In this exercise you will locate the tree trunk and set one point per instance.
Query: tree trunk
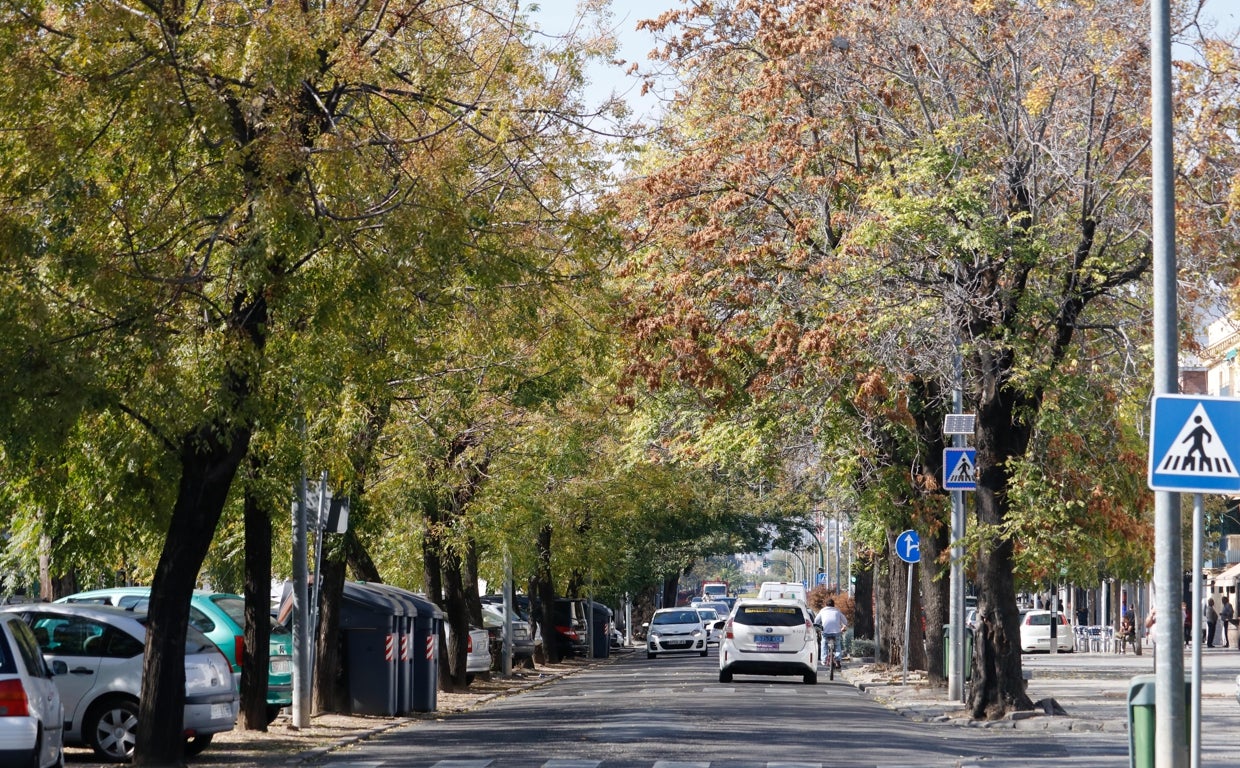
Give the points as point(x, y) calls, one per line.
point(998, 681)
point(671, 590)
point(330, 689)
point(209, 462)
point(892, 613)
point(863, 601)
point(253, 715)
point(543, 589)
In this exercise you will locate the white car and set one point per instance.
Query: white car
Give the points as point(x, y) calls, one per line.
point(1035, 632)
point(97, 654)
point(769, 637)
point(477, 651)
point(31, 717)
point(709, 616)
point(675, 630)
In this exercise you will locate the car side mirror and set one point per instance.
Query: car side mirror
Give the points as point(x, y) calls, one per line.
point(59, 668)
point(719, 624)
point(645, 625)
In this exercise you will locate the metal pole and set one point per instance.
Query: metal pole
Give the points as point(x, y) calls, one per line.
point(908, 619)
point(1196, 608)
point(1169, 748)
point(838, 583)
point(313, 648)
point(301, 658)
point(956, 601)
point(506, 662)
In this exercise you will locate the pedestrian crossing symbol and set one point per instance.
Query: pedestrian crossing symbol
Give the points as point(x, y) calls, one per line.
point(960, 469)
point(1192, 443)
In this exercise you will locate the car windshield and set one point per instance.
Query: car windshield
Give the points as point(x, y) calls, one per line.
point(707, 614)
point(1042, 619)
point(769, 615)
point(677, 617)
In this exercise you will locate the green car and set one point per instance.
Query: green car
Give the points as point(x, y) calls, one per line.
point(221, 617)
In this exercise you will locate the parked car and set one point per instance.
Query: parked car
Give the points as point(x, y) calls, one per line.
point(101, 650)
point(221, 617)
point(1035, 632)
point(572, 630)
point(477, 650)
point(522, 637)
point(32, 718)
point(675, 630)
point(769, 637)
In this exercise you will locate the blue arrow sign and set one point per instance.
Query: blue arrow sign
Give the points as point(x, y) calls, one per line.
point(908, 546)
point(960, 469)
point(1193, 440)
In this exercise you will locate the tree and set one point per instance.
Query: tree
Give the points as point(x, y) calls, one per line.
point(840, 185)
point(186, 173)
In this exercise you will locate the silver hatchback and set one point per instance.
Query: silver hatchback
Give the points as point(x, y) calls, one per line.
point(97, 655)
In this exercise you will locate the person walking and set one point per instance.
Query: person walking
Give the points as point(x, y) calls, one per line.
point(1225, 615)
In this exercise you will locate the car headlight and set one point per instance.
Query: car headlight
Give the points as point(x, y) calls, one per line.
point(654, 636)
point(697, 633)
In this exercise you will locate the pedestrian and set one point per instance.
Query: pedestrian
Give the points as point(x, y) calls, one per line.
point(1211, 618)
point(1188, 624)
point(1226, 614)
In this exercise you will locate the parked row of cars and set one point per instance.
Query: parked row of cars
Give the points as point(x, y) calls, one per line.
point(93, 655)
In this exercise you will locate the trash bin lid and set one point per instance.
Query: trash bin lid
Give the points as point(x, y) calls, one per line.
point(378, 601)
point(1141, 690)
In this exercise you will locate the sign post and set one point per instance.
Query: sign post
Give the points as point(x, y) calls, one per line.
point(959, 475)
point(908, 547)
point(1193, 440)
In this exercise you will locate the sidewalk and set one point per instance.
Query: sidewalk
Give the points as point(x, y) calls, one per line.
point(1076, 691)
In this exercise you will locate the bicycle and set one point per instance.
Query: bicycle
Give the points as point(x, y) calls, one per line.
point(833, 656)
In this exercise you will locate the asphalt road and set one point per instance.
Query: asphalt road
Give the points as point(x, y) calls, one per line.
point(671, 712)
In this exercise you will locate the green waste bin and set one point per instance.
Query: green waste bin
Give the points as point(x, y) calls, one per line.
point(1141, 720)
point(968, 651)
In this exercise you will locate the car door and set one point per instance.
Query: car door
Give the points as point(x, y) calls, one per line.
point(44, 696)
point(71, 640)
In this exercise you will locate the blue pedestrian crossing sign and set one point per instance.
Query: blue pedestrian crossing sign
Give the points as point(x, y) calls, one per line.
point(960, 469)
point(1193, 440)
point(908, 546)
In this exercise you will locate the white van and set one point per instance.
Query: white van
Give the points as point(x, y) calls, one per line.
point(783, 590)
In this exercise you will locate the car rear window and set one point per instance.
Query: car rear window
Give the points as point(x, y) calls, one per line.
point(769, 615)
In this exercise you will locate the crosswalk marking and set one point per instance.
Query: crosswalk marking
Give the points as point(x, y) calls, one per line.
point(463, 764)
point(681, 764)
point(793, 765)
point(572, 764)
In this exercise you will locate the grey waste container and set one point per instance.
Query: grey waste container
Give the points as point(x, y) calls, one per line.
point(600, 631)
point(405, 604)
point(426, 627)
point(968, 650)
point(370, 623)
point(1141, 720)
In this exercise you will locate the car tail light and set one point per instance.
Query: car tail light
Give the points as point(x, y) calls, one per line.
point(568, 632)
point(239, 648)
point(727, 630)
point(13, 699)
point(469, 644)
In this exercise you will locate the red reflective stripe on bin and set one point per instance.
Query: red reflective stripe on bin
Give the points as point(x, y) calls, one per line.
point(389, 648)
point(430, 647)
point(404, 647)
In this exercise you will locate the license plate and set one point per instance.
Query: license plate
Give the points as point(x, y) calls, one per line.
point(770, 639)
point(281, 667)
point(221, 711)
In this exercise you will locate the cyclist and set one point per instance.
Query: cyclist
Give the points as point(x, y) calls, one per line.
point(833, 624)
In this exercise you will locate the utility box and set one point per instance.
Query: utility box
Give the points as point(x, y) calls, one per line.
point(1141, 720)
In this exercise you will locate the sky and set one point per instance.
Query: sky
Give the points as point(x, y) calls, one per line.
point(634, 44)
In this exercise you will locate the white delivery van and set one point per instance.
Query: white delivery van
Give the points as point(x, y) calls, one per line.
point(783, 590)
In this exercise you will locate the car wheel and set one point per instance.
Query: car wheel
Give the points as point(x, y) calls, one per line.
point(273, 711)
point(111, 729)
point(725, 675)
point(703, 653)
point(810, 678)
point(651, 655)
point(194, 745)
